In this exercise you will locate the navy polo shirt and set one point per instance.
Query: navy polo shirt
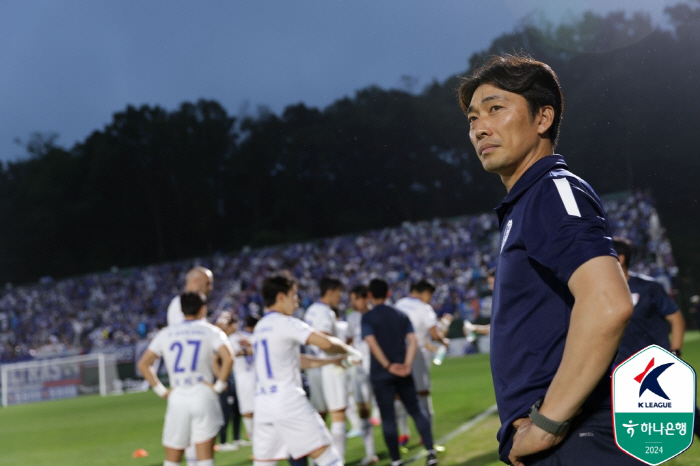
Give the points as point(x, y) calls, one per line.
point(551, 223)
point(390, 327)
point(648, 325)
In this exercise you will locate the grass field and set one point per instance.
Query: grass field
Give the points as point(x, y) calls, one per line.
point(95, 431)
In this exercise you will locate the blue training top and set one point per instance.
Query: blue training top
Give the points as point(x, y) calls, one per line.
point(648, 325)
point(551, 223)
point(390, 327)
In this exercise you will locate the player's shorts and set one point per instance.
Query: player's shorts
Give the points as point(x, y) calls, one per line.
point(421, 371)
point(193, 415)
point(295, 435)
point(361, 386)
point(329, 388)
point(245, 391)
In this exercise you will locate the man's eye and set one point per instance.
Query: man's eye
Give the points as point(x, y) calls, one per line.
point(496, 107)
point(471, 119)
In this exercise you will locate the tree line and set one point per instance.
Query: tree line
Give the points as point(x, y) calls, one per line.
point(157, 185)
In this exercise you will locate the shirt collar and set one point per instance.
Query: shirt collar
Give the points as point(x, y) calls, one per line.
point(529, 178)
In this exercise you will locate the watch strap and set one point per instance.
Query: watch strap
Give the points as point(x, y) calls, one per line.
point(546, 424)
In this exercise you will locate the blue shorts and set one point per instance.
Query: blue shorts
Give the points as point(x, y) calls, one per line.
point(590, 441)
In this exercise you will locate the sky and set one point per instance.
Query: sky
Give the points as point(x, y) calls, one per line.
point(67, 66)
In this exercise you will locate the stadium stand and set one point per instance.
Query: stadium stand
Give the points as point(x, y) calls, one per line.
point(111, 311)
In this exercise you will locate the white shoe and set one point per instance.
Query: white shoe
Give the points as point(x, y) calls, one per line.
point(228, 447)
point(242, 442)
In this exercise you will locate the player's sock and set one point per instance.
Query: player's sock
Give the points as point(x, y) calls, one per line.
point(264, 463)
point(368, 437)
point(338, 434)
point(353, 416)
point(209, 462)
point(248, 423)
point(401, 418)
point(170, 463)
point(330, 457)
point(191, 455)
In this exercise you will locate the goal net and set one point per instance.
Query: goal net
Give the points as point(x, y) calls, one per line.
point(55, 378)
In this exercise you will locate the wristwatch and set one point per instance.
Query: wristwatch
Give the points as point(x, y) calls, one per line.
point(544, 423)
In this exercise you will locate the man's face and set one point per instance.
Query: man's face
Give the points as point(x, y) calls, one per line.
point(206, 283)
point(501, 129)
point(290, 301)
point(334, 297)
point(358, 302)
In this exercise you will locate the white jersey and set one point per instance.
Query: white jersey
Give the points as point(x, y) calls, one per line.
point(278, 389)
point(244, 363)
point(321, 317)
point(175, 314)
point(354, 320)
point(422, 317)
point(187, 349)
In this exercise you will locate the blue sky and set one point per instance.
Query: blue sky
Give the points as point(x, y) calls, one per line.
point(67, 66)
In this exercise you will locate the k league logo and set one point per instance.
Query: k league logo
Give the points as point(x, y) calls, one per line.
point(653, 395)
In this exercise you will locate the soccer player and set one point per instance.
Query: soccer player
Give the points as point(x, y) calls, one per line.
point(561, 302)
point(198, 280)
point(362, 388)
point(244, 372)
point(392, 343)
point(328, 384)
point(193, 414)
point(228, 322)
point(425, 325)
point(285, 423)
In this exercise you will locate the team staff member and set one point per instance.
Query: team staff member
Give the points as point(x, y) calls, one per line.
point(193, 414)
point(654, 311)
point(560, 302)
point(392, 343)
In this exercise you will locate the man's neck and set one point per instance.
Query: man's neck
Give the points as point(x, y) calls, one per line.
point(541, 151)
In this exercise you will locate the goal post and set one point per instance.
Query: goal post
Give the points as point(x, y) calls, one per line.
point(56, 378)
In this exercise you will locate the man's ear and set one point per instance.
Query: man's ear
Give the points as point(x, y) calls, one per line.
point(544, 119)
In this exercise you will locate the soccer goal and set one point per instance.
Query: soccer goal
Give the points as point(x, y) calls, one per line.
point(55, 378)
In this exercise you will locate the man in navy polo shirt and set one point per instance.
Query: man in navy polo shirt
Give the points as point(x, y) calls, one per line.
point(560, 302)
point(654, 311)
point(392, 343)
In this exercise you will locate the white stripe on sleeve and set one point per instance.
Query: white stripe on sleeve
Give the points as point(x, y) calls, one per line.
point(567, 196)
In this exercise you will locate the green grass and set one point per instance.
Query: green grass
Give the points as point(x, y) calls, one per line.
point(95, 431)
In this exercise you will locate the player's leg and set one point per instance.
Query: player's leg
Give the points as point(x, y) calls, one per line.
point(176, 428)
point(305, 434)
point(173, 457)
point(205, 452)
point(335, 393)
point(362, 392)
point(401, 422)
point(245, 397)
point(206, 423)
point(407, 392)
point(385, 393)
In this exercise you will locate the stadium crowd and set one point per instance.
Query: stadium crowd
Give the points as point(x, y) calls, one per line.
point(119, 307)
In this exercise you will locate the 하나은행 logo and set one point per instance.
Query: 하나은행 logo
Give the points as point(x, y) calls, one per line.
point(653, 394)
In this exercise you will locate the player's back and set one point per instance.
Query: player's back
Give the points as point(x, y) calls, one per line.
point(277, 339)
point(321, 317)
point(187, 349)
point(422, 317)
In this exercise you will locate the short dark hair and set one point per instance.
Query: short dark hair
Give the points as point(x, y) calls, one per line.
point(251, 321)
point(359, 290)
point(329, 284)
point(280, 282)
point(519, 74)
point(624, 247)
point(191, 302)
point(378, 288)
point(423, 285)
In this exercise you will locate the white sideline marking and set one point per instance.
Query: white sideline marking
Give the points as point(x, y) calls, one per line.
point(459, 430)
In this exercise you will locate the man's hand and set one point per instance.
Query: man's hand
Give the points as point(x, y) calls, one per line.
point(530, 439)
point(400, 370)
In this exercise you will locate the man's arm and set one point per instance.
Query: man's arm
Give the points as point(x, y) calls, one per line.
point(602, 308)
point(677, 330)
point(402, 370)
point(438, 335)
point(312, 362)
point(331, 344)
point(145, 365)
